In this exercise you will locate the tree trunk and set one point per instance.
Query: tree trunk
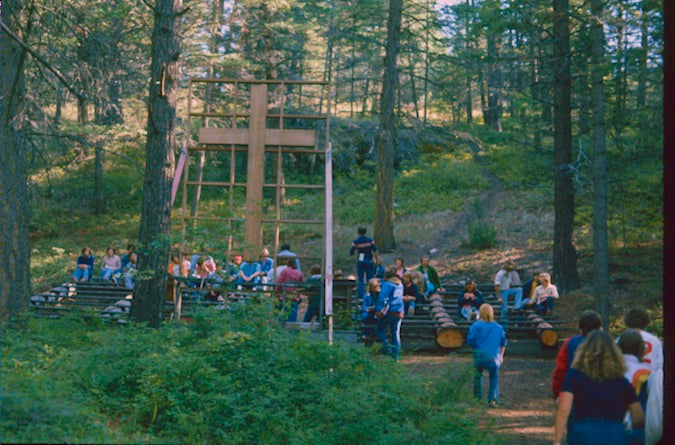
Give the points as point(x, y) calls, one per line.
point(159, 168)
point(600, 245)
point(642, 57)
point(564, 253)
point(384, 212)
point(15, 206)
point(493, 115)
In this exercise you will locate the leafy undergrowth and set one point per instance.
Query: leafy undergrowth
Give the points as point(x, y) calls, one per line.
point(231, 377)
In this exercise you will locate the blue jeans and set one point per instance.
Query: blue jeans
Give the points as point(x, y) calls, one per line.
point(106, 273)
point(517, 293)
point(364, 272)
point(597, 432)
point(540, 308)
point(394, 324)
point(81, 274)
point(493, 370)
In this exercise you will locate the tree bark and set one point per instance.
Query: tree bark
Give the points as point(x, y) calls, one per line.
point(384, 212)
point(564, 253)
point(159, 168)
point(14, 200)
point(600, 244)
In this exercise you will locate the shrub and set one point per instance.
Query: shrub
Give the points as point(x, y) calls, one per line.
point(482, 236)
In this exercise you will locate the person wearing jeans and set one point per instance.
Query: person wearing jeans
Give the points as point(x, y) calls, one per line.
point(389, 313)
point(365, 267)
point(504, 279)
point(488, 340)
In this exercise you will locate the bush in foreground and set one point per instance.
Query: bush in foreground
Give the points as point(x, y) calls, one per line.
point(229, 377)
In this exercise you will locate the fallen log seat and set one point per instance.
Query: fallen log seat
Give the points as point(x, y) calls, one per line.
point(448, 335)
point(547, 335)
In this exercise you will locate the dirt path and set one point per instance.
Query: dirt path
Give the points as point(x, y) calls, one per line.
point(527, 412)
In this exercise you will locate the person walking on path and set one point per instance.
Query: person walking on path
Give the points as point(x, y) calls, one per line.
point(366, 253)
point(488, 340)
point(505, 278)
point(389, 313)
point(597, 395)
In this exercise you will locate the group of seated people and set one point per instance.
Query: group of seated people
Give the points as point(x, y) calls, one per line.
point(537, 294)
point(114, 268)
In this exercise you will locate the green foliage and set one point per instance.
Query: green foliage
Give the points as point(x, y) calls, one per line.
point(482, 235)
point(230, 377)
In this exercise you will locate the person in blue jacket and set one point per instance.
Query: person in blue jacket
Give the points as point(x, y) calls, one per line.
point(85, 266)
point(368, 308)
point(365, 266)
point(488, 340)
point(389, 313)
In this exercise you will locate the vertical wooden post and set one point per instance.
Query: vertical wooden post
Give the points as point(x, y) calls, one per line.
point(255, 171)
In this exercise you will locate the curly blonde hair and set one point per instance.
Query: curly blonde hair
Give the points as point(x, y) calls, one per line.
point(599, 357)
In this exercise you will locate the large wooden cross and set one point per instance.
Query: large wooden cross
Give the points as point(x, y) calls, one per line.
point(257, 136)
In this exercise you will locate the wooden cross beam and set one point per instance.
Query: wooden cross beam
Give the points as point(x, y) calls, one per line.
point(257, 136)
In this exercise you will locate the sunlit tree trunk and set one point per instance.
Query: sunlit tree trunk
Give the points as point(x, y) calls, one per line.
point(159, 168)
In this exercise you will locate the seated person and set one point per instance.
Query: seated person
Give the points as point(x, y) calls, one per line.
point(530, 286)
point(84, 266)
point(411, 293)
point(544, 294)
point(125, 258)
point(432, 282)
point(400, 267)
point(250, 272)
point(110, 264)
point(379, 268)
point(469, 301)
point(205, 266)
point(234, 267)
point(266, 266)
point(176, 267)
point(130, 272)
point(368, 308)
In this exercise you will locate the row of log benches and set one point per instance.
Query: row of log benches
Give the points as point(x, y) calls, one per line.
point(438, 320)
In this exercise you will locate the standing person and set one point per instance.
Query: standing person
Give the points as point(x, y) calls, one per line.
point(654, 412)
point(389, 313)
point(365, 268)
point(596, 395)
point(286, 253)
point(291, 274)
point(314, 300)
point(638, 319)
point(637, 373)
point(505, 278)
point(544, 294)
point(488, 340)
point(588, 322)
point(469, 301)
point(110, 264)
point(433, 283)
point(84, 267)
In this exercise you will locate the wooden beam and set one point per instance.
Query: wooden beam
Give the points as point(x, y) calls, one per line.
point(255, 171)
point(240, 136)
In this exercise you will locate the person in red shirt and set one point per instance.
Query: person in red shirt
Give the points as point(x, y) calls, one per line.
point(291, 275)
point(588, 322)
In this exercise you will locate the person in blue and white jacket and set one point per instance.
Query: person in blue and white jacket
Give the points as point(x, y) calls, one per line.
point(488, 340)
point(389, 312)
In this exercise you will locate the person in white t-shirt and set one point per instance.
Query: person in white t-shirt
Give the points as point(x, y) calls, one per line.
point(638, 319)
point(504, 279)
point(544, 294)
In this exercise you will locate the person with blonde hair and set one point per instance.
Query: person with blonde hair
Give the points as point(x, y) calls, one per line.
point(597, 394)
point(543, 296)
point(488, 340)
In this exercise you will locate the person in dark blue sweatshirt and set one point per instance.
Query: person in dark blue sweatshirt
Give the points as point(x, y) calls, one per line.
point(389, 313)
point(488, 340)
point(365, 267)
